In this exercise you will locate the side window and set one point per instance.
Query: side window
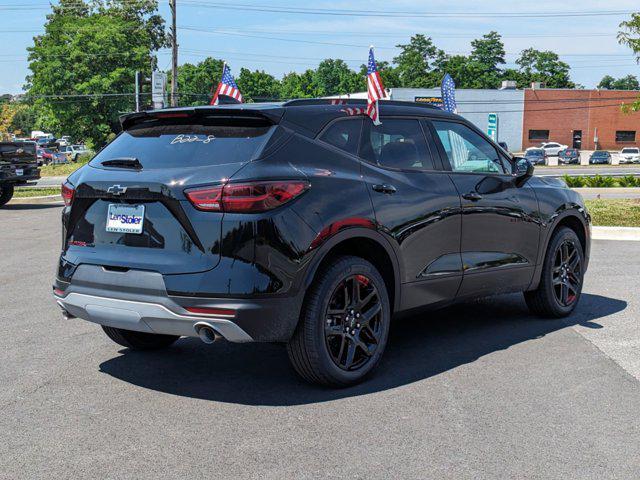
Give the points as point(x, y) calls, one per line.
point(396, 143)
point(467, 151)
point(344, 134)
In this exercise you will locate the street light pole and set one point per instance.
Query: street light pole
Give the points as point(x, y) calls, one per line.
point(174, 55)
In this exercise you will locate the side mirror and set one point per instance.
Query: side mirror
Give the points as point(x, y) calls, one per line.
point(523, 171)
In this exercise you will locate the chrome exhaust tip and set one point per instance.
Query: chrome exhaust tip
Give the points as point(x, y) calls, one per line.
point(206, 332)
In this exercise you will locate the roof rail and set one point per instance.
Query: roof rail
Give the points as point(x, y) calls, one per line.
point(351, 101)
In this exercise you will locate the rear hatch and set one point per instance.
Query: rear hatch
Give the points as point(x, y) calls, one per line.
point(17, 160)
point(129, 209)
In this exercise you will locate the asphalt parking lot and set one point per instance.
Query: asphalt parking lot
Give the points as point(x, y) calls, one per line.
point(481, 390)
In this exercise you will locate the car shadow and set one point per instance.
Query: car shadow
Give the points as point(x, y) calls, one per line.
point(419, 347)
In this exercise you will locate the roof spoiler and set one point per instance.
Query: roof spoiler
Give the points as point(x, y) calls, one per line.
point(272, 115)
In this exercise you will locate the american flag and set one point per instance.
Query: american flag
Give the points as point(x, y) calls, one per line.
point(354, 111)
point(227, 86)
point(375, 89)
point(448, 89)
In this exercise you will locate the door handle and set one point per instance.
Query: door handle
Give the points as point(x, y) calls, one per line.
point(384, 188)
point(473, 196)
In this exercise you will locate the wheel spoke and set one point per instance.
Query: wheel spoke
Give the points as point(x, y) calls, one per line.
point(351, 353)
point(363, 303)
point(355, 292)
point(564, 293)
point(370, 314)
point(368, 351)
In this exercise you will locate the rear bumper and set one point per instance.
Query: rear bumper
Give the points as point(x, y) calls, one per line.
point(146, 317)
point(138, 300)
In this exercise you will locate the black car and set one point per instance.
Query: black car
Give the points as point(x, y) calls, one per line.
point(18, 165)
point(600, 157)
point(569, 155)
point(305, 224)
point(536, 156)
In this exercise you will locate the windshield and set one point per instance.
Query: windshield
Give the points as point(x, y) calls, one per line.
point(630, 150)
point(534, 153)
point(168, 146)
point(600, 154)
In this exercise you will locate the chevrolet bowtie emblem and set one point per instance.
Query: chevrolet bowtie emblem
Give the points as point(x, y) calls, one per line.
point(116, 190)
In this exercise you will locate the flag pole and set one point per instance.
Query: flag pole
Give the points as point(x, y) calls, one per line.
point(214, 99)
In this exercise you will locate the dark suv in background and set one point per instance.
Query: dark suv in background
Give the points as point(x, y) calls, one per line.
point(305, 224)
point(18, 165)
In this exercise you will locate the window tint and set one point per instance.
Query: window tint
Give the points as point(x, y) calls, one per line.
point(344, 134)
point(467, 151)
point(397, 143)
point(169, 146)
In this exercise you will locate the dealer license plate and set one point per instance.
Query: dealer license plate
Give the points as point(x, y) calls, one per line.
point(125, 218)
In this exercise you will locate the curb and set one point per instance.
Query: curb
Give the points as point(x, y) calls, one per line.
point(50, 199)
point(616, 233)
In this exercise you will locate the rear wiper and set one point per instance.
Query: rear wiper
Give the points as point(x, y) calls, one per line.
point(123, 162)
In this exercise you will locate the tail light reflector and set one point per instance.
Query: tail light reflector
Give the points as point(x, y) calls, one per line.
point(67, 191)
point(227, 312)
point(246, 197)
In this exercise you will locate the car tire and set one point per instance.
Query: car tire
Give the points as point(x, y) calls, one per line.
point(341, 349)
point(139, 340)
point(6, 194)
point(561, 279)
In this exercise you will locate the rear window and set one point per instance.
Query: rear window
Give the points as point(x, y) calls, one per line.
point(630, 150)
point(169, 146)
point(17, 149)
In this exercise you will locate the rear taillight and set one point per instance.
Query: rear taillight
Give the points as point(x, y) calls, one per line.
point(246, 197)
point(67, 191)
point(227, 312)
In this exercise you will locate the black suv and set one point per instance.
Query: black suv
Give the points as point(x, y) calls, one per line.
point(305, 224)
point(18, 165)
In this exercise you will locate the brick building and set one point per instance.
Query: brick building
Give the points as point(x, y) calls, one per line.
point(579, 118)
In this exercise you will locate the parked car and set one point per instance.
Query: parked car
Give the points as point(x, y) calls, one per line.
point(64, 141)
point(49, 156)
point(600, 157)
point(73, 152)
point(302, 224)
point(569, 155)
point(536, 156)
point(629, 155)
point(553, 148)
point(18, 165)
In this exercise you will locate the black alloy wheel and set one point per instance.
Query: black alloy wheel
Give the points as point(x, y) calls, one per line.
point(561, 278)
point(567, 273)
point(344, 324)
point(353, 322)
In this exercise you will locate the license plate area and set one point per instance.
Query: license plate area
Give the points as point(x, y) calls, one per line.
point(19, 172)
point(123, 218)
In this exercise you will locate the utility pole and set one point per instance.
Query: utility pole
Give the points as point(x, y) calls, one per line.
point(174, 55)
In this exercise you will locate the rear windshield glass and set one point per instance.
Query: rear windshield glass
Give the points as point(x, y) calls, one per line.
point(17, 149)
point(168, 146)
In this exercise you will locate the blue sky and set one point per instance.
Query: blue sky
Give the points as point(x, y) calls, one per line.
point(280, 42)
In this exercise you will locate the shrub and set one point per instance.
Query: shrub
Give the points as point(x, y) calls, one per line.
point(629, 181)
point(600, 181)
point(574, 182)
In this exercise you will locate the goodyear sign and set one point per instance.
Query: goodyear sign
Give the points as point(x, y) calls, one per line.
point(435, 101)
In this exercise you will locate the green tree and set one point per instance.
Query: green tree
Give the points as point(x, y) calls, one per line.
point(543, 66)
point(414, 63)
point(198, 82)
point(486, 61)
point(298, 85)
point(630, 82)
point(24, 121)
point(83, 66)
point(258, 86)
point(334, 77)
point(607, 82)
